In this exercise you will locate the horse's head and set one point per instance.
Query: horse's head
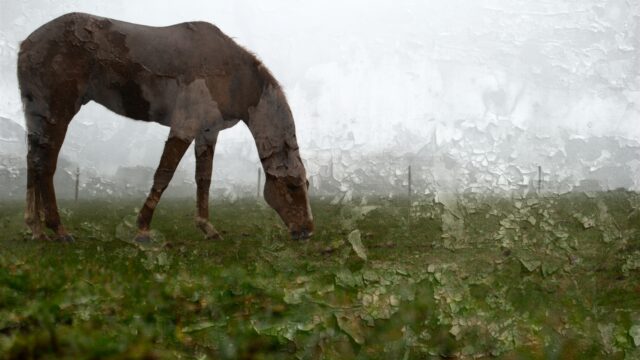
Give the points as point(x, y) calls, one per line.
point(286, 187)
point(289, 197)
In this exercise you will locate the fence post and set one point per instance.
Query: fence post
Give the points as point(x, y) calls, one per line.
point(77, 182)
point(409, 193)
point(539, 178)
point(409, 184)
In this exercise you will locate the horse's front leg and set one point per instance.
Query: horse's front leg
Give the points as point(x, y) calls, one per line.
point(174, 149)
point(205, 148)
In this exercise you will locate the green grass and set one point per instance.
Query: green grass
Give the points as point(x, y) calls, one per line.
point(535, 278)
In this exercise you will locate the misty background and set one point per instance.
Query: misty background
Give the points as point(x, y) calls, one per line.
point(476, 96)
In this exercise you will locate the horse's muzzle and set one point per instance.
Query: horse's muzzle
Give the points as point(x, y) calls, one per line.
point(301, 235)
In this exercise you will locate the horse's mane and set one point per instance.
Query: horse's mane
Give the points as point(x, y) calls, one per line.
point(265, 74)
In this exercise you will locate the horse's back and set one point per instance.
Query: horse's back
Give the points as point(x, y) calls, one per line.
point(135, 70)
point(174, 50)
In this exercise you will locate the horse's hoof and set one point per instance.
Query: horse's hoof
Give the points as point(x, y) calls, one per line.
point(143, 239)
point(66, 238)
point(41, 237)
point(207, 228)
point(213, 236)
point(301, 235)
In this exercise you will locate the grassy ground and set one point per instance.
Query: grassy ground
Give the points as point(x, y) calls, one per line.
point(535, 278)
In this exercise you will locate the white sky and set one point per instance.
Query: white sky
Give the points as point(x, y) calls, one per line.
point(368, 70)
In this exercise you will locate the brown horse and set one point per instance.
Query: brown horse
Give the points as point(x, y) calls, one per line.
point(190, 77)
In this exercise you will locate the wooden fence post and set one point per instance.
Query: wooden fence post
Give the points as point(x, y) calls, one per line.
point(410, 194)
point(539, 178)
point(77, 182)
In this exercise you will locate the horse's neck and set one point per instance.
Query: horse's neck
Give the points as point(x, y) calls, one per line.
point(273, 130)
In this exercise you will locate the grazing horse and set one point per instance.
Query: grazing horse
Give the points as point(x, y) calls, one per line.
point(190, 77)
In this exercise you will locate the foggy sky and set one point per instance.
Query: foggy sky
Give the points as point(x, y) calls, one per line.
point(363, 74)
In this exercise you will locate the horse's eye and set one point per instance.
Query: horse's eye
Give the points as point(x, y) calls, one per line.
point(292, 187)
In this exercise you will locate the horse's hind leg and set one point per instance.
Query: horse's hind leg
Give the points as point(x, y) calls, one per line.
point(204, 149)
point(45, 138)
point(174, 149)
point(33, 211)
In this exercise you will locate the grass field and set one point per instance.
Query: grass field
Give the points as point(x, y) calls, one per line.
point(556, 277)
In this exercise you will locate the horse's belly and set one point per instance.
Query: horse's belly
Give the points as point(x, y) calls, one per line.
point(137, 95)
